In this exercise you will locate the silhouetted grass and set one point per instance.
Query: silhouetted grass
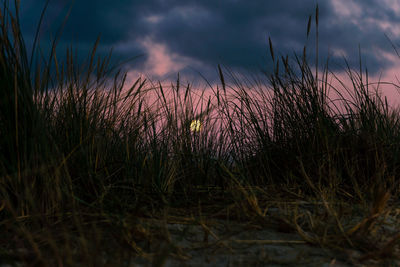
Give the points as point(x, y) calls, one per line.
point(81, 161)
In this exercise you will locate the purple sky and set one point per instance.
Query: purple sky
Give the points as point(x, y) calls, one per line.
point(194, 36)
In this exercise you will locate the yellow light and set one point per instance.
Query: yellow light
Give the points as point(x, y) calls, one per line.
point(195, 126)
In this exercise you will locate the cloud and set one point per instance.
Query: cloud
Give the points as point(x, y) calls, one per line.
point(160, 62)
point(230, 32)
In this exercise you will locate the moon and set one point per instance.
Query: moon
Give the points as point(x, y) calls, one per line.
point(195, 126)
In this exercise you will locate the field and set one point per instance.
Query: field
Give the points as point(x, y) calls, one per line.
point(94, 175)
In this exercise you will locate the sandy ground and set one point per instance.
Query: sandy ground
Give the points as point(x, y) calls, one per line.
point(218, 243)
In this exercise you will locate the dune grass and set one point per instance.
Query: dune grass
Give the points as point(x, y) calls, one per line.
point(81, 161)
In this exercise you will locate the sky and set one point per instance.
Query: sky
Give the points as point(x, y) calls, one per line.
point(192, 37)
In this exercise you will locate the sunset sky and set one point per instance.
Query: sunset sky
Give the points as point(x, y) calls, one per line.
point(194, 36)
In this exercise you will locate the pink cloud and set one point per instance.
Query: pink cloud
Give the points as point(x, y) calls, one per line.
point(386, 82)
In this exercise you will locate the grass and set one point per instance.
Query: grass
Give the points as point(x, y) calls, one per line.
point(82, 161)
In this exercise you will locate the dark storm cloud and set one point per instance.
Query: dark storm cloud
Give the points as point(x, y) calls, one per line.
point(87, 21)
point(231, 32)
